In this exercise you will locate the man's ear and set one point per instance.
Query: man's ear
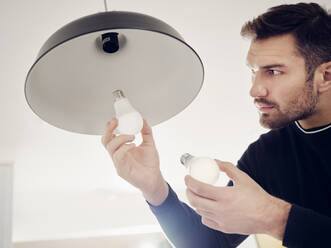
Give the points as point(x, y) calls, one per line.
point(324, 83)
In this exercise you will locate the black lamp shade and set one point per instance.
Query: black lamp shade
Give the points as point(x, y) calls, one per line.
point(70, 84)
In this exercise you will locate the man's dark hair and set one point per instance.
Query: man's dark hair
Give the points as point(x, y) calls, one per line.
point(310, 25)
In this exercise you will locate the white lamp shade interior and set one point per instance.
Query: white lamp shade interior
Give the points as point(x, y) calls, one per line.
point(158, 73)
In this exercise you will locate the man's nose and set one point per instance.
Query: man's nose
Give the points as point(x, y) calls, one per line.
point(257, 89)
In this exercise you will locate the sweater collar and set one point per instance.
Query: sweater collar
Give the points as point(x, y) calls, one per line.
point(313, 130)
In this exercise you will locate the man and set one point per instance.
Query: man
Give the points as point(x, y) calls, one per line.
point(282, 184)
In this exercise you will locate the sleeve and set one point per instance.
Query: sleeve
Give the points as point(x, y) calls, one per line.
point(306, 228)
point(184, 229)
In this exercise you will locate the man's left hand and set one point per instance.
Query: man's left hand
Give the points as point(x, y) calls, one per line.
point(244, 208)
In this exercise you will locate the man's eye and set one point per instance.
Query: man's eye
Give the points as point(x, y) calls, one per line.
point(273, 72)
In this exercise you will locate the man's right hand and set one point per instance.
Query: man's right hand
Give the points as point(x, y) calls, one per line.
point(138, 165)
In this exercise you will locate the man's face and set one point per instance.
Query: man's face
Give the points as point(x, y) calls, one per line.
point(279, 87)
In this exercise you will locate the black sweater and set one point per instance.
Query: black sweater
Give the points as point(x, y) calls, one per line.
point(289, 163)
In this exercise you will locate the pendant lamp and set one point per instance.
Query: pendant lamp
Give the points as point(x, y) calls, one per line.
point(71, 82)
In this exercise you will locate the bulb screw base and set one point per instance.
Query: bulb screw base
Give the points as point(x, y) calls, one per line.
point(185, 157)
point(117, 95)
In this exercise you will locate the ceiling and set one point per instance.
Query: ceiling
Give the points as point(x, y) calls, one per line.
point(65, 184)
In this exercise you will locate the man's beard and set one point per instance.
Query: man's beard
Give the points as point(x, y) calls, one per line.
point(300, 106)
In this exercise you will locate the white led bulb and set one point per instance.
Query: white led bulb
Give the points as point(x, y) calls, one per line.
point(130, 120)
point(203, 169)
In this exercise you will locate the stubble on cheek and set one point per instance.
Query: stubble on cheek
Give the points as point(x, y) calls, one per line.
point(300, 106)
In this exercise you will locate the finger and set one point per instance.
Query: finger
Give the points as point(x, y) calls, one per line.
point(118, 141)
point(103, 139)
point(147, 134)
point(108, 135)
point(230, 170)
point(121, 153)
point(205, 190)
point(199, 202)
point(209, 223)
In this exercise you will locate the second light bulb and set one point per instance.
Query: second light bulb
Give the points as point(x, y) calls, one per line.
point(203, 169)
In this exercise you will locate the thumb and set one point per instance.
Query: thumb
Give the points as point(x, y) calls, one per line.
point(230, 170)
point(147, 134)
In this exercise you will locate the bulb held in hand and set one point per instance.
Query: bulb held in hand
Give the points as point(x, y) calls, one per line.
point(130, 120)
point(203, 169)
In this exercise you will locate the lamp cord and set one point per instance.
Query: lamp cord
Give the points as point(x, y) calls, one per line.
point(105, 3)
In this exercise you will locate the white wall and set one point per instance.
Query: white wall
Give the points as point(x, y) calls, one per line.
point(6, 191)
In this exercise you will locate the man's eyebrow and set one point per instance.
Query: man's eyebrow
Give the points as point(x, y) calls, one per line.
point(272, 66)
point(266, 67)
